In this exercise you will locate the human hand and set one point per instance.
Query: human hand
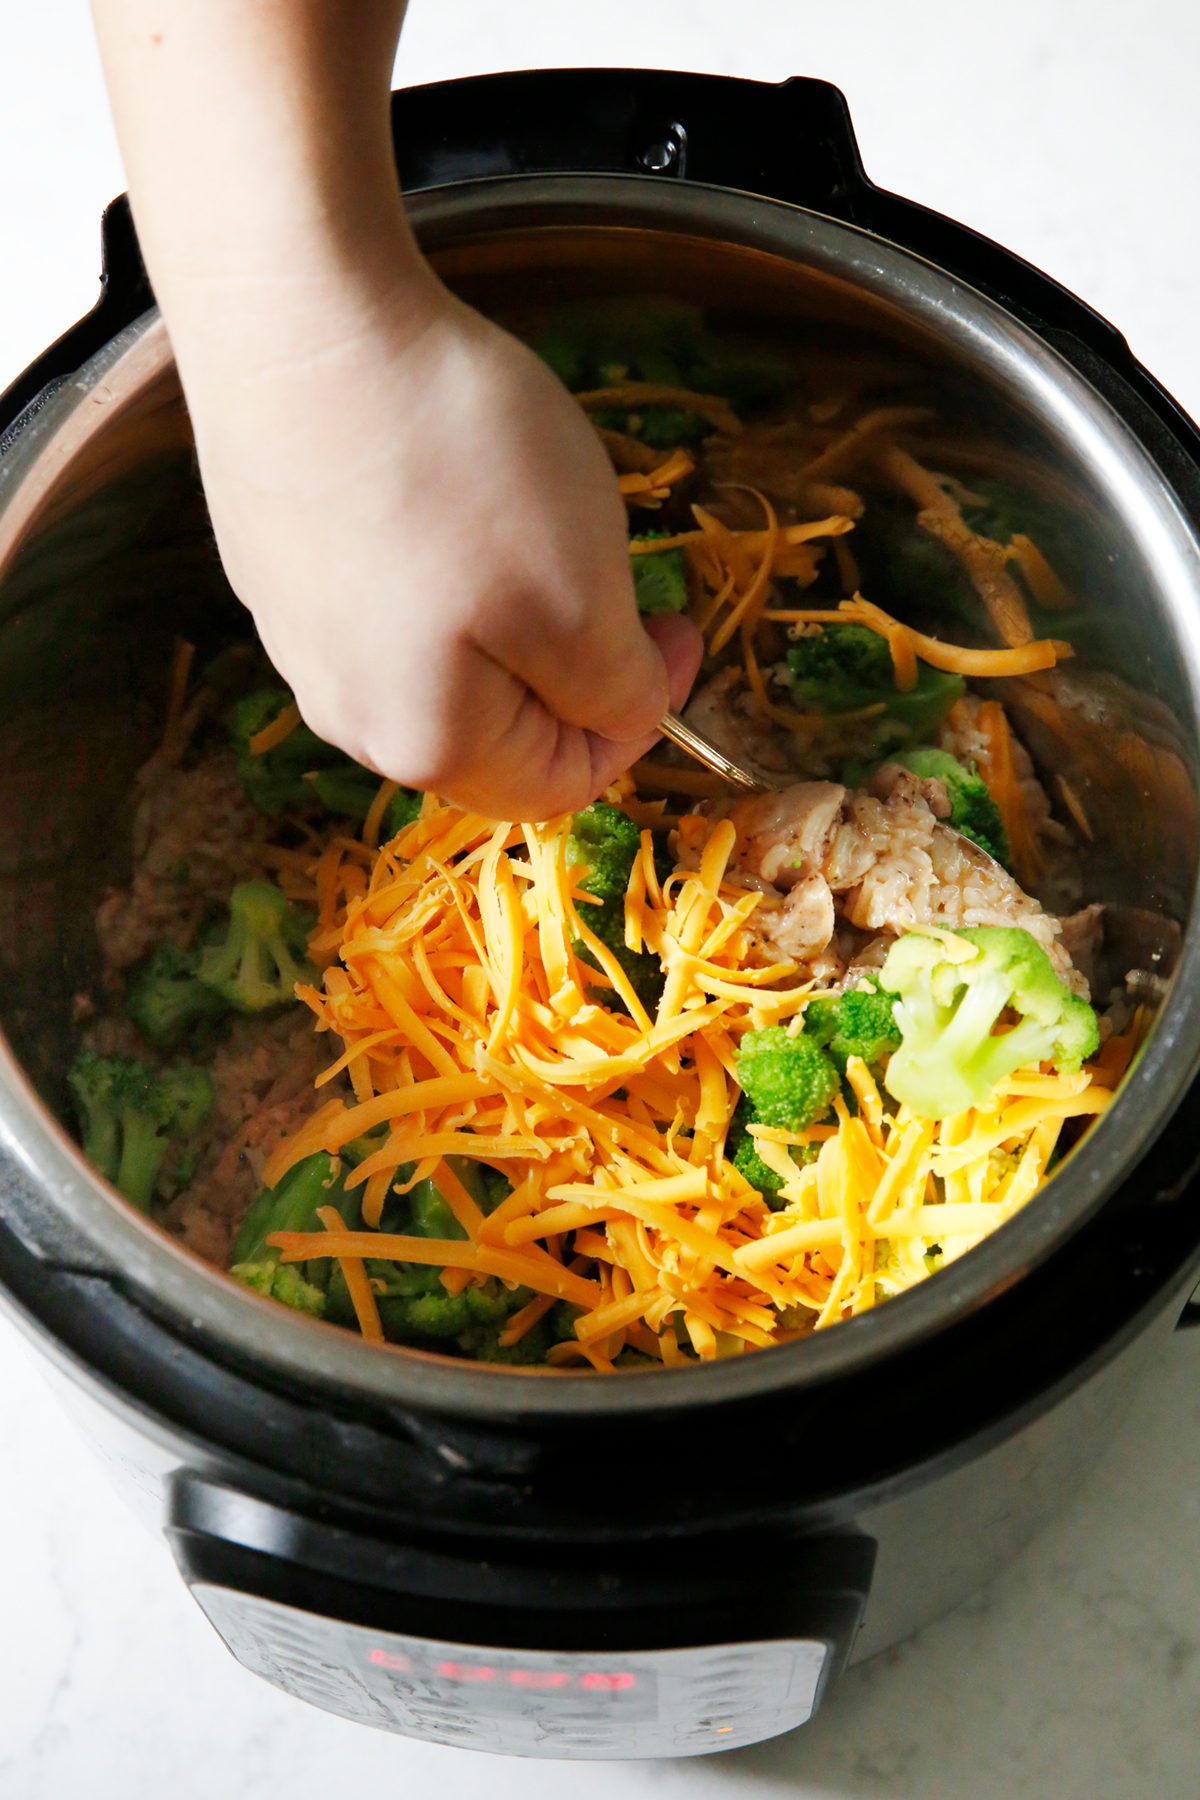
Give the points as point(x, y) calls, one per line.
point(421, 520)
point(430, 537)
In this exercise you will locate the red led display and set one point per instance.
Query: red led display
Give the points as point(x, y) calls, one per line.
point(596, 1681)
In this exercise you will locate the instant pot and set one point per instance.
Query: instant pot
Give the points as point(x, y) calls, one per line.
point(670, 1562)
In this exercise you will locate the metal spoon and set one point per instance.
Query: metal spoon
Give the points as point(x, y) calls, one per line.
point(699, 747)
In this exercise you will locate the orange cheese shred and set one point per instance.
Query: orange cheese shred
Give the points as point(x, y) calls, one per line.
point(281, 727)
point(365, 1309)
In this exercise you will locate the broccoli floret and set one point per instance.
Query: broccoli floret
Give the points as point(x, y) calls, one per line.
point(131, 1118)
point(607, 840)
point(346, 791)
point(494, 1186)
point(973, 812)
point(483, 1345)
point(789, 1081)
point(283, 1282)
point(472, 1317)
point(658, 427)
point(94, 1085)
point(662, 427)
point(844, 668)
point(659, 580)
point(292, 1206)
point(349, 793)
point(402, 810)
point(861, 1022)
point(836, 666)
point(414, 1307)
point(743, 377)
point(948, 1059)
point(167, 1000)
point(741, 1150)
point(276, 779)
point(411, 1315)
point(995, 511)
point(749, 1163)
point(304, 768)
point(262, 958)
point(590, 346)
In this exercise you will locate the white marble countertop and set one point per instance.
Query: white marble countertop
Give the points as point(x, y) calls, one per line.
point(1068, 131)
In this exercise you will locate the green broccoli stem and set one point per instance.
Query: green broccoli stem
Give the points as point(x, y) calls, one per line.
point(292, 1206)
point(967, 1039)
point(260, 962)
point(972, 1019)
point(1028, 1042)
point(142, 1153)
point(101, 1140)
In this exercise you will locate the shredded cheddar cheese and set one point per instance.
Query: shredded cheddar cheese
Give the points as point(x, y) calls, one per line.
point(633, 394)
point(651, 488)
point(956, 659)
point(281, 727)
point(453, 979)
point(734, 569)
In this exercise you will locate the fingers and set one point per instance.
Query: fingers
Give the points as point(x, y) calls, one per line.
point(518, 760)
point(681, 647)
point(571, 632)
point(580, 647)
point(473, 732)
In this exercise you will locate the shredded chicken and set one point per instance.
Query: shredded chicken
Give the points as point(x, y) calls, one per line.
point(785, 837)
point(881, 862)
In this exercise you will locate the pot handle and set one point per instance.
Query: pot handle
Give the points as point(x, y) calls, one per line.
point(125, 294)
point(791, 140)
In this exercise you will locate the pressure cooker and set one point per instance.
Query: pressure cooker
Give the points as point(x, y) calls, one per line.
point(571, 1565)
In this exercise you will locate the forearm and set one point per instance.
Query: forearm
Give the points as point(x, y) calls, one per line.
point(257, 142)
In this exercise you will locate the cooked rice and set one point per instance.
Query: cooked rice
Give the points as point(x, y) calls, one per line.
point(195, 834)
point(263, 1075)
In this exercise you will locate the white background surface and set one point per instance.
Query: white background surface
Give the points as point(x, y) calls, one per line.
point(1069, 131)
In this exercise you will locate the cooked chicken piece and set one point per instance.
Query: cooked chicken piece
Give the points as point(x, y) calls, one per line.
point(785, 837)
point(804, 923)
point(891, 779)
point(889, 865)
point(723, 712)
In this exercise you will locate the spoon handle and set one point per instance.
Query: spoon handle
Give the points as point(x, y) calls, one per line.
point(674, 728)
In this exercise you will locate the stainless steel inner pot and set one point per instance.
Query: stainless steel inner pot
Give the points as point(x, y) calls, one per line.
point(105, 553)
